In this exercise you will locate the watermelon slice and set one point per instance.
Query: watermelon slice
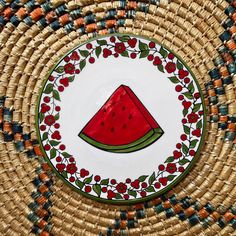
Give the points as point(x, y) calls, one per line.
point(122, 124)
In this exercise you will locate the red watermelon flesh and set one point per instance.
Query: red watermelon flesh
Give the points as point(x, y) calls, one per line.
point(121, 123)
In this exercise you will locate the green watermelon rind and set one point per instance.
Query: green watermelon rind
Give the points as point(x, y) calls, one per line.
point(144, 141)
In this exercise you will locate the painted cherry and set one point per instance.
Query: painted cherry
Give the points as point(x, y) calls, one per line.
point(64, 82)
point(197, 132)
point(132, 42)
point(163, 181)
point(186, 104)
point(183, 73)
point(56, 135)
point(135, 184)
point(83, 173)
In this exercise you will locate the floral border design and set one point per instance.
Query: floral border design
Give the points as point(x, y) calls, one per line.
point(131, 47)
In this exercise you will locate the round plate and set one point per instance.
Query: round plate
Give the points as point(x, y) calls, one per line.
point(121, 119)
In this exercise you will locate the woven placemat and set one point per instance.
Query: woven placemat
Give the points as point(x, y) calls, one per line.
point(35, 35)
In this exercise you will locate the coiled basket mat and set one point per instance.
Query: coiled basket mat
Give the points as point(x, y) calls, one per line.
point(35, 35)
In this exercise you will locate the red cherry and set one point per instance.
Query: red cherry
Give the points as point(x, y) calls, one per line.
point(66, 59)
point(186, 80)
point(51, 78)
point(197, 132)
point(144, 185)
point(126, 197)
point(132, 42)
point(143, 194)
point(57, 108)
point(186, 104)
point(47, 147)
point(177, 154)
point(97, 178)
point(116, 55)
point(62, 147)
point(192, 153)
point(113, 181)
point(157, 185)
point(91, 60)
point(46, 99)
point(45, 108)
point(171, 56)
point(163, 181)
point(60, 88)
point(152, 45)
point(179, 145)
point(89, 46)
point(150, 57)
point(178, 88)
point(57, 126)
point(133, 55)
point(110, 194)
point(77, 71)
point(60, 167)
point(161, 167)
point(42, 127)
point(58, 159)
point(83, 173)
point(87, 189)
point(181, 169)
point(183, 137)
point(72, 179)
point(104, 189)
point(128, 181)
point(56, 135)
point(183, 73)
point(135, 184)
point(157, 61)
point(71, 159)
point(112, 39)
point(181, 97)
point(197, 95)
point(107, 52)
point(64, 82)
point(184, 121)
point(75, 56)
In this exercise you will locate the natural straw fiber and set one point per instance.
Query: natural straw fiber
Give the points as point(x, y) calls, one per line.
point(35, 35)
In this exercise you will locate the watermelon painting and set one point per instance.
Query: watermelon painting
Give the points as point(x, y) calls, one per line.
point(122, 124)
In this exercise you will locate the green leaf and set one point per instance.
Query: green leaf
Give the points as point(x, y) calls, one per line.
point(82, 64)
point(197, 107)
point(101, 42)
point(193, 143)
point(174, 79)
point(171, 177)
point(191, 87)
point(186, 129)
point(170, 159)
point(132, 193)
point(143, 46)
point(64, 174)
point(118, 196)
point(150, 189)
point(98, 51)
point(183, 161)
point(104, 182)
point(97, 189)
point(152, 178)
point(185, 148)
point(56, 95)
point(53, 153)
point(185, 112)
point(84, 53)
point(54, 143)
point(88, 180)
point(79, 183)
point(60, 69)
point(41, 117)
point(142, 178)
point(45, 136)
point(179, 65)
point(124, 38)
point(144, 54)
point(160, 68)
point(48, 89)
point(163, 52)
point(66, 155)
point(57, 116)
point(188, 95)
point(71, 78)
point(125, 54)
point(199, 124)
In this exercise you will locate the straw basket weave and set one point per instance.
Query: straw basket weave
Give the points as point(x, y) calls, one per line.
point(34, 35)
